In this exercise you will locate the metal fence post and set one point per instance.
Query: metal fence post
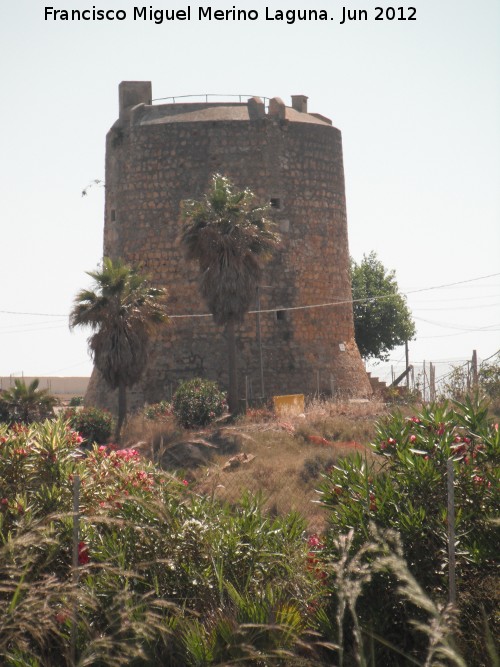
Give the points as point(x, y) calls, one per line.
point(452, 588)
point(75, 573)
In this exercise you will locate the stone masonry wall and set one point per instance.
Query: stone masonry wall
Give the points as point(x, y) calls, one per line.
point(157, 156)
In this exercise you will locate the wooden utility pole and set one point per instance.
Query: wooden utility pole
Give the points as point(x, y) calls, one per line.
point(407, 359)
point(432, 382)
point(474, 370)
point(423, 383)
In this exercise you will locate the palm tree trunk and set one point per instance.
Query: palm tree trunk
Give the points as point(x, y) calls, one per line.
point(232, 394)
point(122, 410)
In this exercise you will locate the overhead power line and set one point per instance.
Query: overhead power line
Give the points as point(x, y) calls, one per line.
point(459, 308)
point(17, 312)
point(289, 308)
point(460, 282)
point(459, 333)
point(456, 326)
point(18, 331)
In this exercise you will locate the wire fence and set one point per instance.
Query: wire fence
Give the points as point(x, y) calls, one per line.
point(432, 380)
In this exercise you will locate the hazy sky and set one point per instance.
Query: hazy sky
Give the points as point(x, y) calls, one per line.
point(418, 104)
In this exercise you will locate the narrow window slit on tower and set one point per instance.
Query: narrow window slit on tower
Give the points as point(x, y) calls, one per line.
point(113, 215)
point(281, 315)
point(275, 202)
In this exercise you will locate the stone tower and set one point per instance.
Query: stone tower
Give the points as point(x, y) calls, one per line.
point(158, 155)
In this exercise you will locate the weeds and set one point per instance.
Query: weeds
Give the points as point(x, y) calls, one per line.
point(189, 571)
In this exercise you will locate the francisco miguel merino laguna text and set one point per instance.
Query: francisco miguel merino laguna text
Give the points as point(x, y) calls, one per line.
point(158, 16)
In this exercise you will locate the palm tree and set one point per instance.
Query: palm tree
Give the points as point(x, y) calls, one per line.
point(229, 236)
point(122, 310)
point(26, 403)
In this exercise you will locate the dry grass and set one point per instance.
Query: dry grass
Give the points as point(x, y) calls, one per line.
point(290, 453)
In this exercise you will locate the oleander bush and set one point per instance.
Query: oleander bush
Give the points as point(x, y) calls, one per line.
point(198, 402)
point(406, 491)
point(158, 412)
point(163, 577)
point(75, 401)
point(159, 575)
point(93, 424)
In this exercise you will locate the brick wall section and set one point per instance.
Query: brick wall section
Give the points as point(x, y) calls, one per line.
point(156, 156)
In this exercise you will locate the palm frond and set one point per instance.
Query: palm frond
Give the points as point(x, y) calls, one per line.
point(122, 310)
point(230, 237)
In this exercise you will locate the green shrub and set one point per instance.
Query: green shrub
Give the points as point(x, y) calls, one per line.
point(198, 402)
point(406, 490)
point(38, 465)
point(159, 566)
point(35, 463)
point(93, 424)
point(158, 411)
point(168, 577)
point(76, 401)
point(315, 466)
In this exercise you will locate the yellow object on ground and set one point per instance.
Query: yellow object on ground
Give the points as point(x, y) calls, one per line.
point(291, 404)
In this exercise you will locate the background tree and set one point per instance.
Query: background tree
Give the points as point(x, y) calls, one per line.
point(382, 319)
point(25, 403)
point(230, 237)
point(122, 309)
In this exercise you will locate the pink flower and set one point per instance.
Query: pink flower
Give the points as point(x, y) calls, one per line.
point(480, 480)
point(83, 554)
point(185, 482)
point(413, 438)
point(21, 452)
point(314, 542)
point(61, 617)
point(127, 454)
